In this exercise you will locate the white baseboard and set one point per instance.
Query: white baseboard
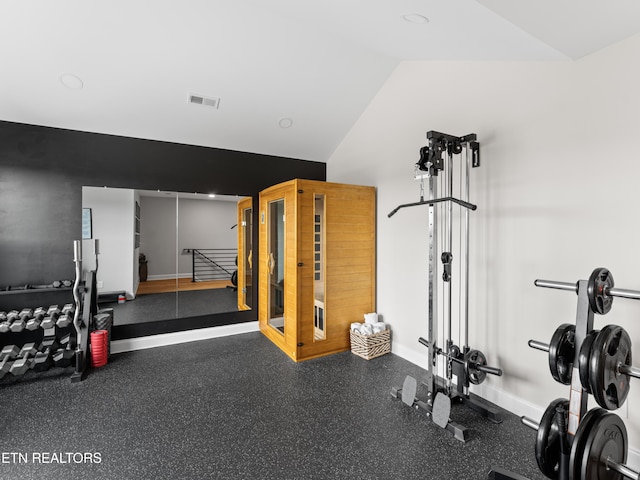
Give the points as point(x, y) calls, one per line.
point(152, 341)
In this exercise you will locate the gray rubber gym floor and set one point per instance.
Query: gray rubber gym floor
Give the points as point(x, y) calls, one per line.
point(238, 408)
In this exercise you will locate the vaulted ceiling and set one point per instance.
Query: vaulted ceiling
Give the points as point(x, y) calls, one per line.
point(279, 77)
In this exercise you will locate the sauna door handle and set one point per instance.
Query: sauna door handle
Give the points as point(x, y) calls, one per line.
point(271, 263)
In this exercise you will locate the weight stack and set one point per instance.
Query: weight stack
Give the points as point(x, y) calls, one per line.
point(104, 321)
point(98, 348)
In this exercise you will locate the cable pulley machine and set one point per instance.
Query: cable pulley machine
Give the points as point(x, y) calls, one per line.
point(469, 366)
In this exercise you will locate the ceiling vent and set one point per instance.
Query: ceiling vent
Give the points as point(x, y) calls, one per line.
point(206, 101)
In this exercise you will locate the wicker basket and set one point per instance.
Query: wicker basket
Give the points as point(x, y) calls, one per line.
point(370, 346)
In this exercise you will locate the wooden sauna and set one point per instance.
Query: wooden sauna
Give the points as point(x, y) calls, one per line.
point(317, 264)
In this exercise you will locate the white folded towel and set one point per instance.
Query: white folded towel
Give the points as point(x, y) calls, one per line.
point(370, 318)
point(366, 329)
point(379, 327)
point(355, 326)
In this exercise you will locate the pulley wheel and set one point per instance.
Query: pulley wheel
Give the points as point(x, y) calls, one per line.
point(597, 290)
point(603, 436)
point(611, 348)
point(548, 440)
point(584, 357)
point(454, 351)
point(561, 353)
point(471, 363)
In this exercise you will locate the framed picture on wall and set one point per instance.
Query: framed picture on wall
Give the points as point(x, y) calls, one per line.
point(87, 231)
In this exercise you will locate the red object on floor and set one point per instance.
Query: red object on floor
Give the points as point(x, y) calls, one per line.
point(99, 350)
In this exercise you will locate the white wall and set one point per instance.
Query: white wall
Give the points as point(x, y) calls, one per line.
point(113, 211)
point(205, 224)
point(199, 224)
point(557, 196)
point(158, 239)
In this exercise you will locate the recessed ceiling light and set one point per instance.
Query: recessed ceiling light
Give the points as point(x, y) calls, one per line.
point(212, 195)
point(415, 18)
point(285, 122)
point(71, 81)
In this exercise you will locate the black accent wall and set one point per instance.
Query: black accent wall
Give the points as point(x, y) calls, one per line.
point(43, 169)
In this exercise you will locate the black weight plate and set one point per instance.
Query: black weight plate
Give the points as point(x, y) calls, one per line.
point(474, 358)
point(548, 440)
point(579, 441)
point(584, 357)
point(562, 352)
point(599, 300)
point(607, 438)
point(611, 348)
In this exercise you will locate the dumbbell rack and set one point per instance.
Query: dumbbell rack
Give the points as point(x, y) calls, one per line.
point(54, 336)
point(469, 366)
point(573, 443)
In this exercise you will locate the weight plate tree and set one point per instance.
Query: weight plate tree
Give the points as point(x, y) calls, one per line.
point(469, 366)
point(596, 362)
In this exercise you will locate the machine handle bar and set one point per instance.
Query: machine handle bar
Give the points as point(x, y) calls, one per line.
point(490, 370)
point(462, 203)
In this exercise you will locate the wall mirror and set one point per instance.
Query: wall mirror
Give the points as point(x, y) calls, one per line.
point(172, 255)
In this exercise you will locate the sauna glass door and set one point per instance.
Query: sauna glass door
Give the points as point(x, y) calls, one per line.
point(275, 263)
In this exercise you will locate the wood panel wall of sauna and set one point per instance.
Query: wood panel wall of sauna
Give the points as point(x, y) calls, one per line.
point(316, 264)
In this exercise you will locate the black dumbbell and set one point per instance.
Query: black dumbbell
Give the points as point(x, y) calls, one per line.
point(5, 326)
point(61, 283)
point(49, 321)
point(66, 317)
point(34, 322)
point(42, 361)
point(24, 360)
point(65, 341)
point(9, 351)
point(19, 323)
point(49, 343)
point(63, 357)
point(5, 366)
